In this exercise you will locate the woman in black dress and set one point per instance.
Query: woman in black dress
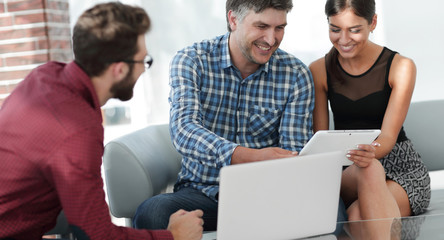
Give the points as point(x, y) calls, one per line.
point(370, 87)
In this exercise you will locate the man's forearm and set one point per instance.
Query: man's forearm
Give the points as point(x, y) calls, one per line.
point(245, 155)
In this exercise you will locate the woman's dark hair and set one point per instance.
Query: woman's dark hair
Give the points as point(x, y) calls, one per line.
point(362, 8)
point(107, 33)
point(241, 7)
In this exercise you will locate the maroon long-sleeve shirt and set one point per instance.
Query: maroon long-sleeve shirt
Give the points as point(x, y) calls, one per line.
point(51, 146)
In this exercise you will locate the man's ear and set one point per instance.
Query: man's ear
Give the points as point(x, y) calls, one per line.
point(232, 20)
point(119, 70)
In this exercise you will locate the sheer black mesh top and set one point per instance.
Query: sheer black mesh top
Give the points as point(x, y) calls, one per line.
point(359, 102)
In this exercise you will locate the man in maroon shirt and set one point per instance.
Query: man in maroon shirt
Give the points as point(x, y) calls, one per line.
point(51, 134)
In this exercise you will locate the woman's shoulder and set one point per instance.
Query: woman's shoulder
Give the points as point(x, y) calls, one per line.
point(318, 67)
point(403, 64)
point(403, 60)
point(318, 64)
point(399, 58)
point(402, 69)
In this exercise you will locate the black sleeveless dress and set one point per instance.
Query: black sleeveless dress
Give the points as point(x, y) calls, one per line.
point(360, 102)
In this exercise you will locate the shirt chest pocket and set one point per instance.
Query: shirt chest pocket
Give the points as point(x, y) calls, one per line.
point(263, 121)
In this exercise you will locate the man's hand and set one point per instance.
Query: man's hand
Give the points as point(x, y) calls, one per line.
point(244, 155)
point(185, 225)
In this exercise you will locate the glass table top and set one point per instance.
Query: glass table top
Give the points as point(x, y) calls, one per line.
point(416, 227)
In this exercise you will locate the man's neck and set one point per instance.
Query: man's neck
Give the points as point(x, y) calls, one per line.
point(101, 86)
point(238, 59)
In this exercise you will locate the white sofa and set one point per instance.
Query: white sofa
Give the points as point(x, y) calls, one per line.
point(144, 163)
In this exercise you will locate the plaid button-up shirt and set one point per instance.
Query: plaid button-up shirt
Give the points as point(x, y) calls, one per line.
point(214, 110)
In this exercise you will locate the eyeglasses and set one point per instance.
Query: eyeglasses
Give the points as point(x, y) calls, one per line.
point(147, 61)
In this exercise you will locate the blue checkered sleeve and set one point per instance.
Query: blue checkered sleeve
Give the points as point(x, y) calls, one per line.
point(297, 124)
point(190, 137)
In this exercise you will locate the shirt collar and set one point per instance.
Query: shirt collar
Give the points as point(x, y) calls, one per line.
point(226, 58)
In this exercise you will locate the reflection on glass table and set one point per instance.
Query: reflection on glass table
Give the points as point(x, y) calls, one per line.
point(423, 227)
point(415, 227)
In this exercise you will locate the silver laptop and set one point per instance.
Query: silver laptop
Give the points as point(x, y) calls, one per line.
point(279, 199)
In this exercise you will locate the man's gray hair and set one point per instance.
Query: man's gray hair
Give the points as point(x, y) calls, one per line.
point(241, 7)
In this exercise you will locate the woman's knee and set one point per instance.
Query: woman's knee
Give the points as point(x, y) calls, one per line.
point(374, 173)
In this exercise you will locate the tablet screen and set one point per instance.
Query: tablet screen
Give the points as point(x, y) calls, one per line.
point(339, 140)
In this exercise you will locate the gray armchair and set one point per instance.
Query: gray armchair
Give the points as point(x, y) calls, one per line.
point(424, 127)
point(138, 166)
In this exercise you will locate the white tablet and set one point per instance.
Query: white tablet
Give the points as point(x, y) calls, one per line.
point(339, 140)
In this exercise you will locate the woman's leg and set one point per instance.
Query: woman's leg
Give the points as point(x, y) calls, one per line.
point(401, 198)
point(369, 195)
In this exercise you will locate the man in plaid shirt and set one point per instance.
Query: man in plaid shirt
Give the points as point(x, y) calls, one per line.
point(234, 99)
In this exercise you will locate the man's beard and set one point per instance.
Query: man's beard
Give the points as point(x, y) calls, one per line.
point(123, 90)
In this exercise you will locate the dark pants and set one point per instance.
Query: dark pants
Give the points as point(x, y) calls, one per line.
point(155, 212)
